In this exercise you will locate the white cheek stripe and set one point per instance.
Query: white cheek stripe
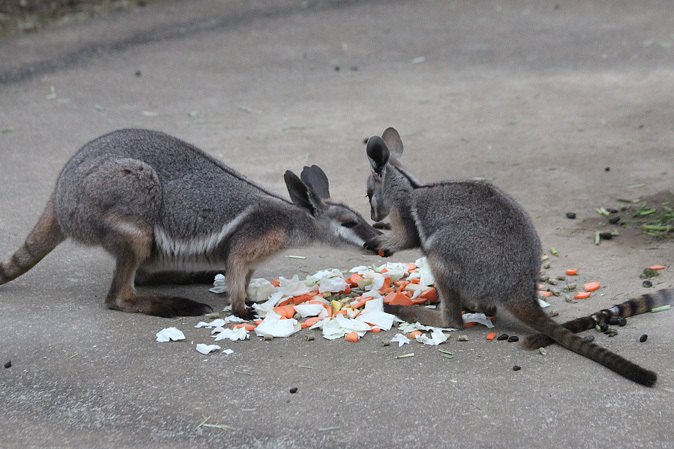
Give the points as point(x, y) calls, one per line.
point(348, 235)
point(196, 246)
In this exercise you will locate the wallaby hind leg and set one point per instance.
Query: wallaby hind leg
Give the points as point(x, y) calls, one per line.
point(174, 277)
point(131, 250)
point(44, 237)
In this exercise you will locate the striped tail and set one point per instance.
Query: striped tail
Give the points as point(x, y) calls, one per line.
point(631, 307)
point(530, 313)
point(43, 238)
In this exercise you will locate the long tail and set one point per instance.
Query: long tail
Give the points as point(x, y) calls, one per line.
point(43, 238)
point(531, 314)
point(631, 307)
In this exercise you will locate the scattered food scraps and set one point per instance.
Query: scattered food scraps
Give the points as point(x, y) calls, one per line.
point(206, 349)
point(170, 334)
point(591, 286)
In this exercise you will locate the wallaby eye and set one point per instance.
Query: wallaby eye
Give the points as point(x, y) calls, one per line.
point(349, 224)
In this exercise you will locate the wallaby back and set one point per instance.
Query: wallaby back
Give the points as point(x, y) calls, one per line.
point(482, 247)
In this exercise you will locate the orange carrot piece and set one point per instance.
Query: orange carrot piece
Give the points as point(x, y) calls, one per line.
point(402, 284)
point(346, 291)
point(310, 322)
point(582, 295)
point(285, 311)
point(411, 267)
point(353, 279)
point(299, 299)
point(276, 283)
point(387, 283)
point(414, 334)
point(469, 324)
point(571, 272)
point(376, 330)
point(341, 312)
point(591, 286)
point(360, 301)
point(285, 302)
point(491, 335)
point(352, 337)
point(430, 294)
point(257, 322)
point(544, 293)
point(400, 300)
point(656, 267)
point(415, 281)
point(381, 253)
point(248, 327)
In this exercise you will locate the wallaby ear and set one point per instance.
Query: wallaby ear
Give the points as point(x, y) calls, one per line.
point(316, 179)
point(377, 153)
point(301, 195)
point(393, 141)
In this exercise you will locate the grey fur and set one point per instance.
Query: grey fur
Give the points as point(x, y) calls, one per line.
point(157, 203)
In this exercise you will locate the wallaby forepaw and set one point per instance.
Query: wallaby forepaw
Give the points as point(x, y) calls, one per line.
point(376, 246)
point(246, 313)
point(381, 225)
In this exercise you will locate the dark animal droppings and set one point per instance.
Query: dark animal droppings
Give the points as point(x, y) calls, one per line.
point(606, 235)
point(513, 338)
point(622, 321)
point(643, 338)
point(613, 320)
point(8, 364)
point(293, 390)
point(647, 283)
point(502, 337)
point(571, 215)
point(517, 368)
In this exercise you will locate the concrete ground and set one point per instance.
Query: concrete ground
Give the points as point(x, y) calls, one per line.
point(567, 106)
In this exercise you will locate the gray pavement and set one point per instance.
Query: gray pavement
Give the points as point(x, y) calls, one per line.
point(539, 97)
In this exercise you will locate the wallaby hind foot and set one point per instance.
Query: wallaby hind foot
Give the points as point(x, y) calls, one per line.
point(144, 278)
point(159, 305)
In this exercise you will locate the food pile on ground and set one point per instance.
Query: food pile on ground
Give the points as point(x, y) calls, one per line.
point(339, 305)
point(349, 305)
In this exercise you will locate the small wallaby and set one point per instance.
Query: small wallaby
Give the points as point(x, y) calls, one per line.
point(482, 248)
point(157, 203)
point(631, 307)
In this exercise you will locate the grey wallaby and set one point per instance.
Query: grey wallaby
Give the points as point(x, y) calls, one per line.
point(482, 248)
point(158, 204)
